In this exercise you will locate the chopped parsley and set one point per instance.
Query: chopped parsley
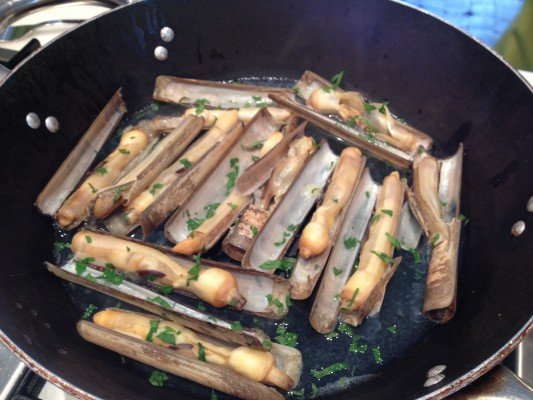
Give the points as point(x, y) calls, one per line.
point(82, 265)
point(110, 275)
point(236, 326)
point(395, 242)
point(286, 338)
point(233, 303)
point(285, 264)
point(186, 163)
point(435, 239)
point(88, 239)
point(463, 219)
point(258, 144)
point(102, 171)
point(383, 256)
point(340, 366)
point(233, 206)
point(254, 230)
point(210, 210)
point(356, 347)
point(388, 212)
point(201, 352)
point(158, 378)
point(416, 255)
point(200, 105)
point(393, 329)
point(383, 108)
point(443, 203)
point(254, 157)
point(168, 335)
point(93, 189)
point(331, 335)
point(232, 175)
point(337, 271)
point(314, 389)
point(267, 344)
point(367, 194)
point(375, 218)
point(159, 300)
point(118, 192)
point(335, 200)
point(89, 311)
point(350, 242)
point(377, 355)
point(213, 395)
point(368, 107)
point(155, 187)
point(350, 302)
point(283, 240)
point(165, 289)
point(202, 307)
point(124, 151)
point(61, 246)
point(288, 301)
point(194, 272)
point(274, 301)
point(335, 82)
point(154, 326)
point(345, 328)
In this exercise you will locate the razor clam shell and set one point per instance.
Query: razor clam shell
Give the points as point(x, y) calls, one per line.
point(213, 190)
point(163, 154)
point(172, 361)
point(309, 82)
point(306, 273)
point(187, 316)
point(225, 95)
point(326, 307)
point(374, 301)
point(259, 172)
point(159, 124)
point(450, 184)
point(409, 230)
point(183, 186)
point(253, 285)
point(293, 209)
point(72, 170)
point(341, 130)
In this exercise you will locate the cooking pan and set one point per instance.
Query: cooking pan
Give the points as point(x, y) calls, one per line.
point(436, 77)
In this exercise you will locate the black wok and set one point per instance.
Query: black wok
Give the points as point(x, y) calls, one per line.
point(436, 77)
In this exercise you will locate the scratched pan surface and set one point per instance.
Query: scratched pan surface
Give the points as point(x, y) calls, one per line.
point(435, 77)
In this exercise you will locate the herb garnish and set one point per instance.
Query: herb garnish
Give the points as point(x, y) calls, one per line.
point(118, 192)
point(286, 338)
point(337, 271)
point(186, 163)
point(200, 105)
point(254, 230)
point(352, 299)
point(375, 218)
point(331, 335)
point(392, 329)
point(416, 255)
point(155, 187)
point(88, 239)
point(368, 107)
point(159, 300)
point(388, 212)
point(335, 82)
point(258, 144)
point(93, 189)
point(274, 301)
point(285, 264)
point(61, 246)
point(202, 307)
point(158, 378)
point(330, 370)
point(345, 328)
point(233, 303)
point(254, 157)
point(377, 355)
point(124, 151)
point(383, 256)
point(382, 109)
point(102, 171)
point(169, 335)
point(110, 275)
point(267, 343)
point(165, 289)
point(236, 326)
point(82, 265)
point(314, 389)
point(154, 326)
point(201, 352)
point(89, 311)
point(350, 242)
point(463, 219)
point(435, 239)
point(232, 175)
point(194, 272)
point(232, 205)
point(356, 347)
point(367, 194)
point(213, 395)
point(395, 242)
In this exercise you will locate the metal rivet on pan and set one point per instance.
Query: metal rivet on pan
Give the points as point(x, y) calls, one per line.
point(518, 228)
point(530, 204)
point(434, 380)
point(33, 120)
point(52, 124)
point(62, 352)
point(167, 34)
point(437, 369)
point(161, 53)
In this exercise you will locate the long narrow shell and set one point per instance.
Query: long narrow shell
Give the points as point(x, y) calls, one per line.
point(307, 271)
point(215, 189)
point(81, 157)
point(292, 210)
point(138, 179)
point(137, 296)
point(326, 307)
point(213, 94)
point(214, 376)
point(351, 135)
point(280, 115)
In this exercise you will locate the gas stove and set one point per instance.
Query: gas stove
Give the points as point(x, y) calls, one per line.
point(22, 24)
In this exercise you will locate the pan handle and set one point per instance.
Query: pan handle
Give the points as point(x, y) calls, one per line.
point(498, 383)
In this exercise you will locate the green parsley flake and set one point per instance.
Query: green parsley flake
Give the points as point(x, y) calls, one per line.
point(93, 189)
point(331, 335)
point(435, 239)
point(232, 175)
point(383, 256)
point(285, 264)
point(274, 301)
point(155, 187)
point(154, 326)
point(118, 192)
point(340, 366)
point(337, 271)
point(159, 300)
point(233, 303)
point(165, 289)
point(194, 272)
point(124, 151)
point(236, 326)
point(110, 275)
point(392, 329)
point(88, 239)
point(267, 344)
point(374, 218)
point(233, 206)
point(352, 299)
point(356, 347)
point(201, 352)
point(158, 378)
point(89, 311)
point(367, 194)
point(286, 338)
point(202, 307)
point(82, 265)
point(416, 255)
point(186, 163)
point(314, 389)
point(383, 108)
point(168, 335)
point(213, 395)
point(368, 107)
point(388, 212)
point(350, 242)
point(463, 219)
point(61, 246)
point(395, 242)
point(377, 355)
point(257, 145)
point(254, 230)
point(345, 328)
point(200, 105)
point(102, 171)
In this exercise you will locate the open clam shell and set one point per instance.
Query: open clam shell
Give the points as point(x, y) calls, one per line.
point(326, 307)
point(81, 157)
point(213, 94)
point(278, 233)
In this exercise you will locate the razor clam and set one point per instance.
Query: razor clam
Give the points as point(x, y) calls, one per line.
point(124, 222)
point(280, 115)
point(278, 233)
point(409, 230)
point(365, 286)
point(217, 199)
point(351, 107)
point(436, 202)
point(327, 304)
point(352, 135)
point(213, 94)
point(321, 233)
point(141, 175)
point(253, 291)
point(254, 217)
point(172, 310)
point(159, 123)
point(69, 174)
point(177, 363)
